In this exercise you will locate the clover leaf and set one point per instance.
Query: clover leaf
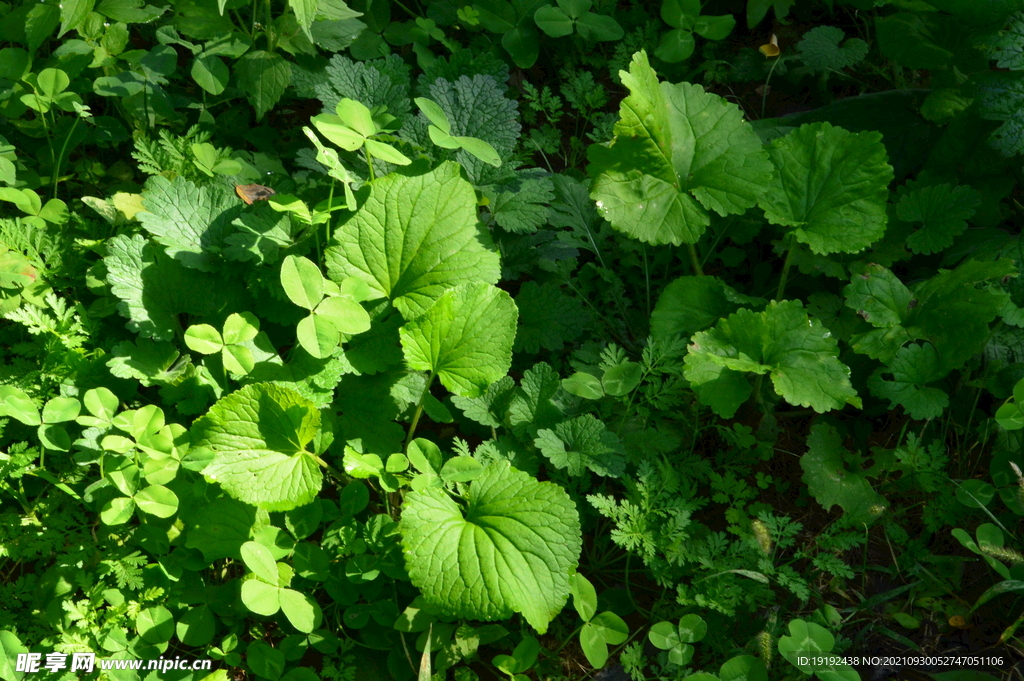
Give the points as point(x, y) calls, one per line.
point(353, 127)
point(440, 131)
point(238, 328)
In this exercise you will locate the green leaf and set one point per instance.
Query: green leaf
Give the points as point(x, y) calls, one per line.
point(553, 21)
point(481, 149)
point(157, 500)
point(584, 596)
point(210, 73)
point(580, 443)
point(820, 50)
point(204, 339)
point(414, 238)
point(622, 378)
point(675, 46)
point(522, 44)
point(593, 645)
point(19, 406)
point(266, 662)
point(943, 209)
point(190, 221)
point(197, 626)
point(260, 597)
point(691, 304)
point(73, 13)
point(61, 409)
point(664, 635)
point(679, 13)
point(610, 628)
point(832, 482)
point(878, 296)
point(461, 469)
point(548, 318)
point(318, 336)
point(582, 384)
point(510, 550)
point(220, 529)
point(797, 352)
point(302, 281)
point(117, 511)
point(240, 327)
point(598, 27)
point(434, 114)
point(913, 367)
point(347, 315)
point(832, 187)
point(715, 28)
point(263, 77)
point(259, 434)
point(305, 12)
point(668, 167)
point(301, 610)
point(41, 21)
point(155, 625)
point(465, 338)
point(259, 560)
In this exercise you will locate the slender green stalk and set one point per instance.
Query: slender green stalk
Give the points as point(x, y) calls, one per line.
point(785, 269)
point(369, 162)
point(695, 261)
point(419, 410)
point(764, 93)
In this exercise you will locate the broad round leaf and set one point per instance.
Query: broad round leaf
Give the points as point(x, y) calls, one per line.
point(414, 238)
point(266, 662)
point(675, 45)
point(582, 384)
point(16, 404)
point(60, 409)
point(621, 379)
point(53, 436)
point(610, 628)
point(259, 434)
point(715, 28)
point(511, 552)
point(260, 597)
point(302, 281)
point(692, 628)
point(157, 500)
point(553, 21)
point(301, 610)
point(465, 338)
point(679, 153)
point(347, 315)
point(584, 596)
point(117, 511)
point(598, 27)
point(258, 558)
point(197, 626)
point(743, 668)
point(238, 359)
point(101, 403)
point(318, 335)
point(593, 645)
point(204, 339)
point(210, 73)
point(461, 469)
point(664, 635)
point(241, 327)
point(832, 187)
point(155, 625)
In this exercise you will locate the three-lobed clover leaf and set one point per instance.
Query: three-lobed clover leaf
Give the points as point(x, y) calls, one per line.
point(600, 631)
point(509, 549)
point(812, 642)
point(19, 406)
point(266, 592)
point(440, 131)
point(559, 21)
point(334, 310)
point(353, 127)
point(238, 329)
point(677, 639)
point(797, 352)
point(684, 17)
point(679, 153)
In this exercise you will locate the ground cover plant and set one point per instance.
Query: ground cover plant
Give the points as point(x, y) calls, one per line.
point(533, 340)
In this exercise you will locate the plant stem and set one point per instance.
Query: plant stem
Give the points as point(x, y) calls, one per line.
point(785, 270)
point(369, 162)
point(697, 269)
point(764, 93)
point(419, 410)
